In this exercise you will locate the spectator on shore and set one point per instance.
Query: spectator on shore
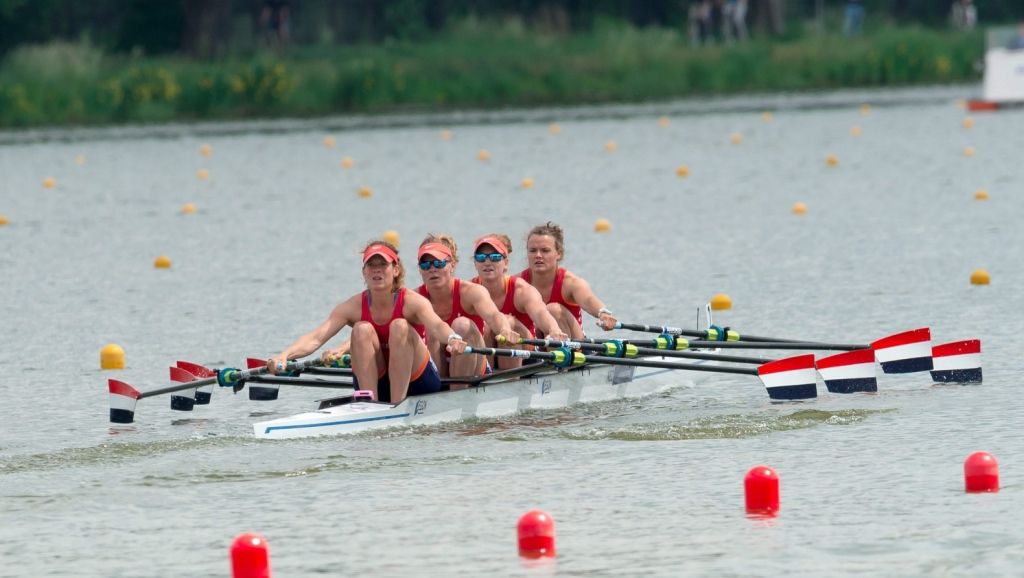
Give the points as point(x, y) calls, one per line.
point(275, 20)
point(854, 20)
point(735, 14)
point(963, 15)
point(1017, 41)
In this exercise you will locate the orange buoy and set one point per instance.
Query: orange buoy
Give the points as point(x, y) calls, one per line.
point(682, 171)
point(162, 262)
point(554, 128)
point(602, 226)
point(981, 195)
point(49, 182)
point(527, 183)
point(365, 192)
point(347, 163)
point(799, 208)
point(483, 155)
point(980, 277)
point(721, 302)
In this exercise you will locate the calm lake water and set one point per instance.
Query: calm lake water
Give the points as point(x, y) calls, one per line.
point(871, 484)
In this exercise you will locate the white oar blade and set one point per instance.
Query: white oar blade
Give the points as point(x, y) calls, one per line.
point(957, 362)
point(204, 393)
point(849, 372)
point(790, 378)
point(907, 352)
point(263, 391)
point(183, 400)
point(123, 398)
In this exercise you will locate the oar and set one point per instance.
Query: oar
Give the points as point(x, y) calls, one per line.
point(785, 379)
point(123, 396)
point(716, 333)
point(621, 348)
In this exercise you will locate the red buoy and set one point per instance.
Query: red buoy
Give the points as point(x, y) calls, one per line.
point(981, 473)
point(762, 489)
point(536, 535)
point(250, 557)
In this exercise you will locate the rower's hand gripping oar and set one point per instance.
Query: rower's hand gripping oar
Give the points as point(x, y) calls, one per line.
point(123, 396)
point(786, 379)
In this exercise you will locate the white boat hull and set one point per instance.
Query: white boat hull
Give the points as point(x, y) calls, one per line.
point(548, 389)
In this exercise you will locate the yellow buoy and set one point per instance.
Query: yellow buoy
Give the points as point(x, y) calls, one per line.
point(202, 174)
point(735, 138)
point(865, 109)
point(968, 151)
point(329, 141)
point(980, 277)
point(49, 182)
point(602, 226)
point(767, 117)
point(365, 192)
point(112, 357)
point(162, 262)
point(205, 150)
point(663, 122)
point(832, 161)
point(553, 128)
point(188, 209)
point(610, 146)
point(682, 171)
point(856, 131)
point(981, 195)
point(968, 122)
point(446, 135)
point(721, 302)
point(527, 183)
point(799, 208)
point(80, 160)
point(347, 163)
point(391, 236)
point(3, 220)
point(483, 155)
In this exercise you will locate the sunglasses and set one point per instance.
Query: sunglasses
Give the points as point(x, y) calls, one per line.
point(436, 263)
point(483, 257)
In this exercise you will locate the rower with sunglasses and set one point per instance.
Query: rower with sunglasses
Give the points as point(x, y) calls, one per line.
point(389, 324)
point(565, 294)
point(518, 300)
point(464, 305)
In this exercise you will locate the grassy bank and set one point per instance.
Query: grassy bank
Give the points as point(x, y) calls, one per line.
point(76, 84)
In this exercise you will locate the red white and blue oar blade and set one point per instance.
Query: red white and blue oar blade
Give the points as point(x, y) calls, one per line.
point(262, 392)
point(184, 400)
point(957, 362)
point(204, 393)
point(123, 398)
point(790, 378)
point(849, 372)
point(907, 352)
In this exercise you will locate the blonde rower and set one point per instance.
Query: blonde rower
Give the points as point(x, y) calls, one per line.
point(566, 294)
point(389, 322)
point(518, 300)
point(462, 304)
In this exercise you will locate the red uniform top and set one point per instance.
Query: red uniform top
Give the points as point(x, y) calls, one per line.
point(384, 330)
point(457, 310)
point(509, 306)
point(556, 294)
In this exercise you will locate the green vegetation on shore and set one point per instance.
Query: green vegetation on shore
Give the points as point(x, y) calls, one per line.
point(74, 83)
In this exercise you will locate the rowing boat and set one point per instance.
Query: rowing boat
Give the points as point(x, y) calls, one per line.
point(533, 386)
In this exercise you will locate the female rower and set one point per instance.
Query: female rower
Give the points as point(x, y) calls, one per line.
point(462, 304)
point(513, 297)
point(565, 293)
point(388, 349)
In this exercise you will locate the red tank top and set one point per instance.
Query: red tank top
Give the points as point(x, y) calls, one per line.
point(556, 294)
point(384, 330)
point(457, 310)
point(509, 306)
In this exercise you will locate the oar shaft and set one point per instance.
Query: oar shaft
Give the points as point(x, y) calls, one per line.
point(736, 337)
point(232, 376)
point(601, 360)
point(593, 345)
